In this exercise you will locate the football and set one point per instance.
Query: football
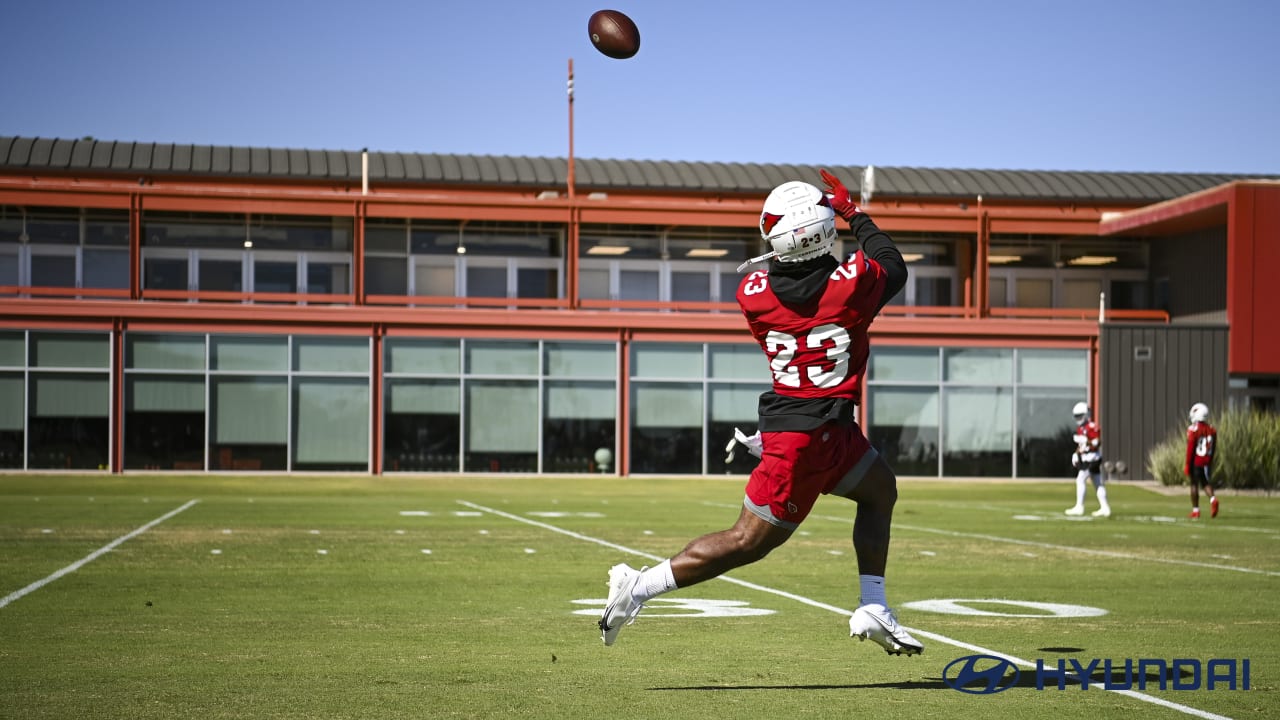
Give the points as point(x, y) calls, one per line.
point(614, 34)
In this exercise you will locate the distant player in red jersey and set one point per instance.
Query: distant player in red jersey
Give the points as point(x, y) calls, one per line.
point(810, 313)
point(1202, 441)
point(1087, 460)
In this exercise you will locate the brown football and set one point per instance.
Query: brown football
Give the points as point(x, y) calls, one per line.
point(613, 34)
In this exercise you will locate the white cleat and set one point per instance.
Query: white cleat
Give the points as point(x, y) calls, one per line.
point(1102, 512)
point(1075, 511)
point(620, 609)
point(877, 622)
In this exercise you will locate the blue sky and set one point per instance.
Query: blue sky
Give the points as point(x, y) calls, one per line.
point(1121, 85)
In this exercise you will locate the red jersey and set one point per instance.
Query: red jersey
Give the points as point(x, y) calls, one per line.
point(1088, 439)
point(818, 349)
point(1201, 441)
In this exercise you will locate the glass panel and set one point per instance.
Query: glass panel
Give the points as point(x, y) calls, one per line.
point(904, 428)
point(386, 276)
point(68, 423)
point(107, 227)
point(12, 422)
point(731, 406)
point(226, 275)
point(297, 232)
point(70, 351)
point(581, 360)
point(1128, 295)
point(502, 426)
point(332, 354)
point(1021, 254)
point(1033, 292)
point(1045, 429)
point(738, 362)
point(666, 430)
point(13, 401)
point(53, 226)
point(579, 430)
point(164, 422)
point(729, 282)
point(329, 277)
point(904, 364)
point(999, 292)
point(691, 286)
point(595, 401)
point(502, 358)
point(638, 285)
point(412, 355)
point(435, 280)
point(1053, 367)
point(656, 360)
point(164, 273)
point(332, 424)
point(106, 269)
point(251, 410)
point(386, 236)
point(53, 270)
point(204, 230)
point(935, 291)
point(982, 366)
point(164, 352)
point(593, 284)
point(8, 267)
point(248, 352)
point(486, 282)
point(1081, 292)
point(537, 283)
point(275, 276)
point(1129, 253)
point(422, 430)
point(640, 242)
point(164, 392)
point(250, 417)
point(13, 349)
point(978, 432)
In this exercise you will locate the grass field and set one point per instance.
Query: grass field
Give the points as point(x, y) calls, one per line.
point(334, 597)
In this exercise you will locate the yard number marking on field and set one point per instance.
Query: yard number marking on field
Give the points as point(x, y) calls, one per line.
point(841, 611)
point(92, 556)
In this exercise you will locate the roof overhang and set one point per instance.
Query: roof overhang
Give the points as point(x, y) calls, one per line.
point(1189, 213)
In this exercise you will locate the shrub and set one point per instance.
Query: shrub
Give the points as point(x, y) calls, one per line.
point(1248, 453)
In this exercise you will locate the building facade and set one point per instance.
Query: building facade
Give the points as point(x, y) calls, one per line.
point(194, 308)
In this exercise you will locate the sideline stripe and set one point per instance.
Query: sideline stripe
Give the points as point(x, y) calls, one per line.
point(1050, 546)
point(92, 556)
point(841, 611)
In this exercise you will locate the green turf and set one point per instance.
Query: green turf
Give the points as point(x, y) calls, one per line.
point(483, 626)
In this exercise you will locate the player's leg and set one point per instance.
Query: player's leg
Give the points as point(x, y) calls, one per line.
point(1208, 487)
point(1100, 489)
point(872, 484)
point(1195, 492)
point(1082, 480)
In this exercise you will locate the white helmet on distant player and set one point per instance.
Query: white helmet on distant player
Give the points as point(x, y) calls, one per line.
point(798, 223)
point(1199, 413)
point(1081, 412)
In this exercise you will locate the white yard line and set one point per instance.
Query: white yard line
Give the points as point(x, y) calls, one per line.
point(840, 611)
point(91, 556)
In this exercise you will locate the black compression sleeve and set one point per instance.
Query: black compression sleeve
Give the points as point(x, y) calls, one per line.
point(878, 246)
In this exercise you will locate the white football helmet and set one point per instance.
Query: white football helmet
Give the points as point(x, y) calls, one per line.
point(797, 222)
point(1199, 413)
point(1081, 412)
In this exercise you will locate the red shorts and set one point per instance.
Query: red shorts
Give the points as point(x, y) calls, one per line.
point(797, 467)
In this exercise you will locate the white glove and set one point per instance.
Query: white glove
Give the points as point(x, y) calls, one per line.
point(755, 446)
point(1075, 460)
point(1090, 457)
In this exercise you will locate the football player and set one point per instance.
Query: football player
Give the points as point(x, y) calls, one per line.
point(809, 311)
point(1201, 444)
point(1087, 460)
